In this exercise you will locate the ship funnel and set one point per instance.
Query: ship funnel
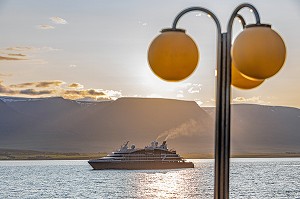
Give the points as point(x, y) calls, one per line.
point(164, 145)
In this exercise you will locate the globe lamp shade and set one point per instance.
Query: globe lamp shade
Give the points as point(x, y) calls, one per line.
point(173, 55)
point(239, 80)
point(258, 52)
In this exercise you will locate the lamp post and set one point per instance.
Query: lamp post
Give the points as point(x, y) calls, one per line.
point(257, 54)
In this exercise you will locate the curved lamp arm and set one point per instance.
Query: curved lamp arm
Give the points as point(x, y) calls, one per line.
point(183, 12)
point(242, 20)
point(233, 16)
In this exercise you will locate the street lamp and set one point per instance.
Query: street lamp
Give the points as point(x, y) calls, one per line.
point(257, 53)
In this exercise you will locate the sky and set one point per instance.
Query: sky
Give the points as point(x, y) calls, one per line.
point(98, 49)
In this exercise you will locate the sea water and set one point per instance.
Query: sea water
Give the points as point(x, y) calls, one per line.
point(249, 178)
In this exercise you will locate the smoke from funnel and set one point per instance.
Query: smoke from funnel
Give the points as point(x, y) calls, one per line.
point(185, 129)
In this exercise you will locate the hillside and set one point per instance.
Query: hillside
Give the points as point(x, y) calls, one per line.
point(60, 125)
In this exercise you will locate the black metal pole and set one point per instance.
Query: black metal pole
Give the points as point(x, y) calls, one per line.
point(220, 161)
point(218, 185)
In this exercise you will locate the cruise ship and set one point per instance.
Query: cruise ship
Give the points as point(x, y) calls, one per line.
point(153, 156)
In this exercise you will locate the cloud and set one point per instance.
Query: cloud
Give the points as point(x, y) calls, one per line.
point(16, 55)
point(32, 92)
point(43, 84)
point(58, 20)
point(254, 99)
point(143, 23)
point(193, 90)
point(31, 49)
point(47, 84)
point(19, 48)
point(23, 85)
point(48, 48)
point(113, 94)
point(36, 92)
point(188, 89)
point(179, 95)
point(72, 66)
point(6, 90)
point(5, 75)
point(19, 53)
point(45, 27)
point(12, 56)
point(243, 99)
point(8, 58)
point(75, 85)
point(54, 88)
point(79, 94)
point(154, 95)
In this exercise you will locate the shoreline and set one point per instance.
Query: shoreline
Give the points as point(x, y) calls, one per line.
point(11, 154)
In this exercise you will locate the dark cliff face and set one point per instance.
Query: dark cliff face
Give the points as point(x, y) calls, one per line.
point(56, 124)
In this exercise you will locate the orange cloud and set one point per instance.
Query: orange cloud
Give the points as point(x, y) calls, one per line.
point(19, 48)
point(7, 58)
point(17, 55)
point(75, 85)
point(23, 85)
point(79, 94)
point(44, 84)
point(31, 49)
point(45, 27)
point(5, 90)
point(8, 91)
point(36, 92)
point(5, 75)
point(37, 89)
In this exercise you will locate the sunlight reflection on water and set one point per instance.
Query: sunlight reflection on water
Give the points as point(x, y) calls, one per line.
point(250, 178)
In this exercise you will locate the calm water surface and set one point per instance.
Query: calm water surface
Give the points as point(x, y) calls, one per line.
point(250, 178)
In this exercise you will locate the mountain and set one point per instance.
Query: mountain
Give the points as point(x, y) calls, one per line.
point(57, 124)
point(259, 128)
